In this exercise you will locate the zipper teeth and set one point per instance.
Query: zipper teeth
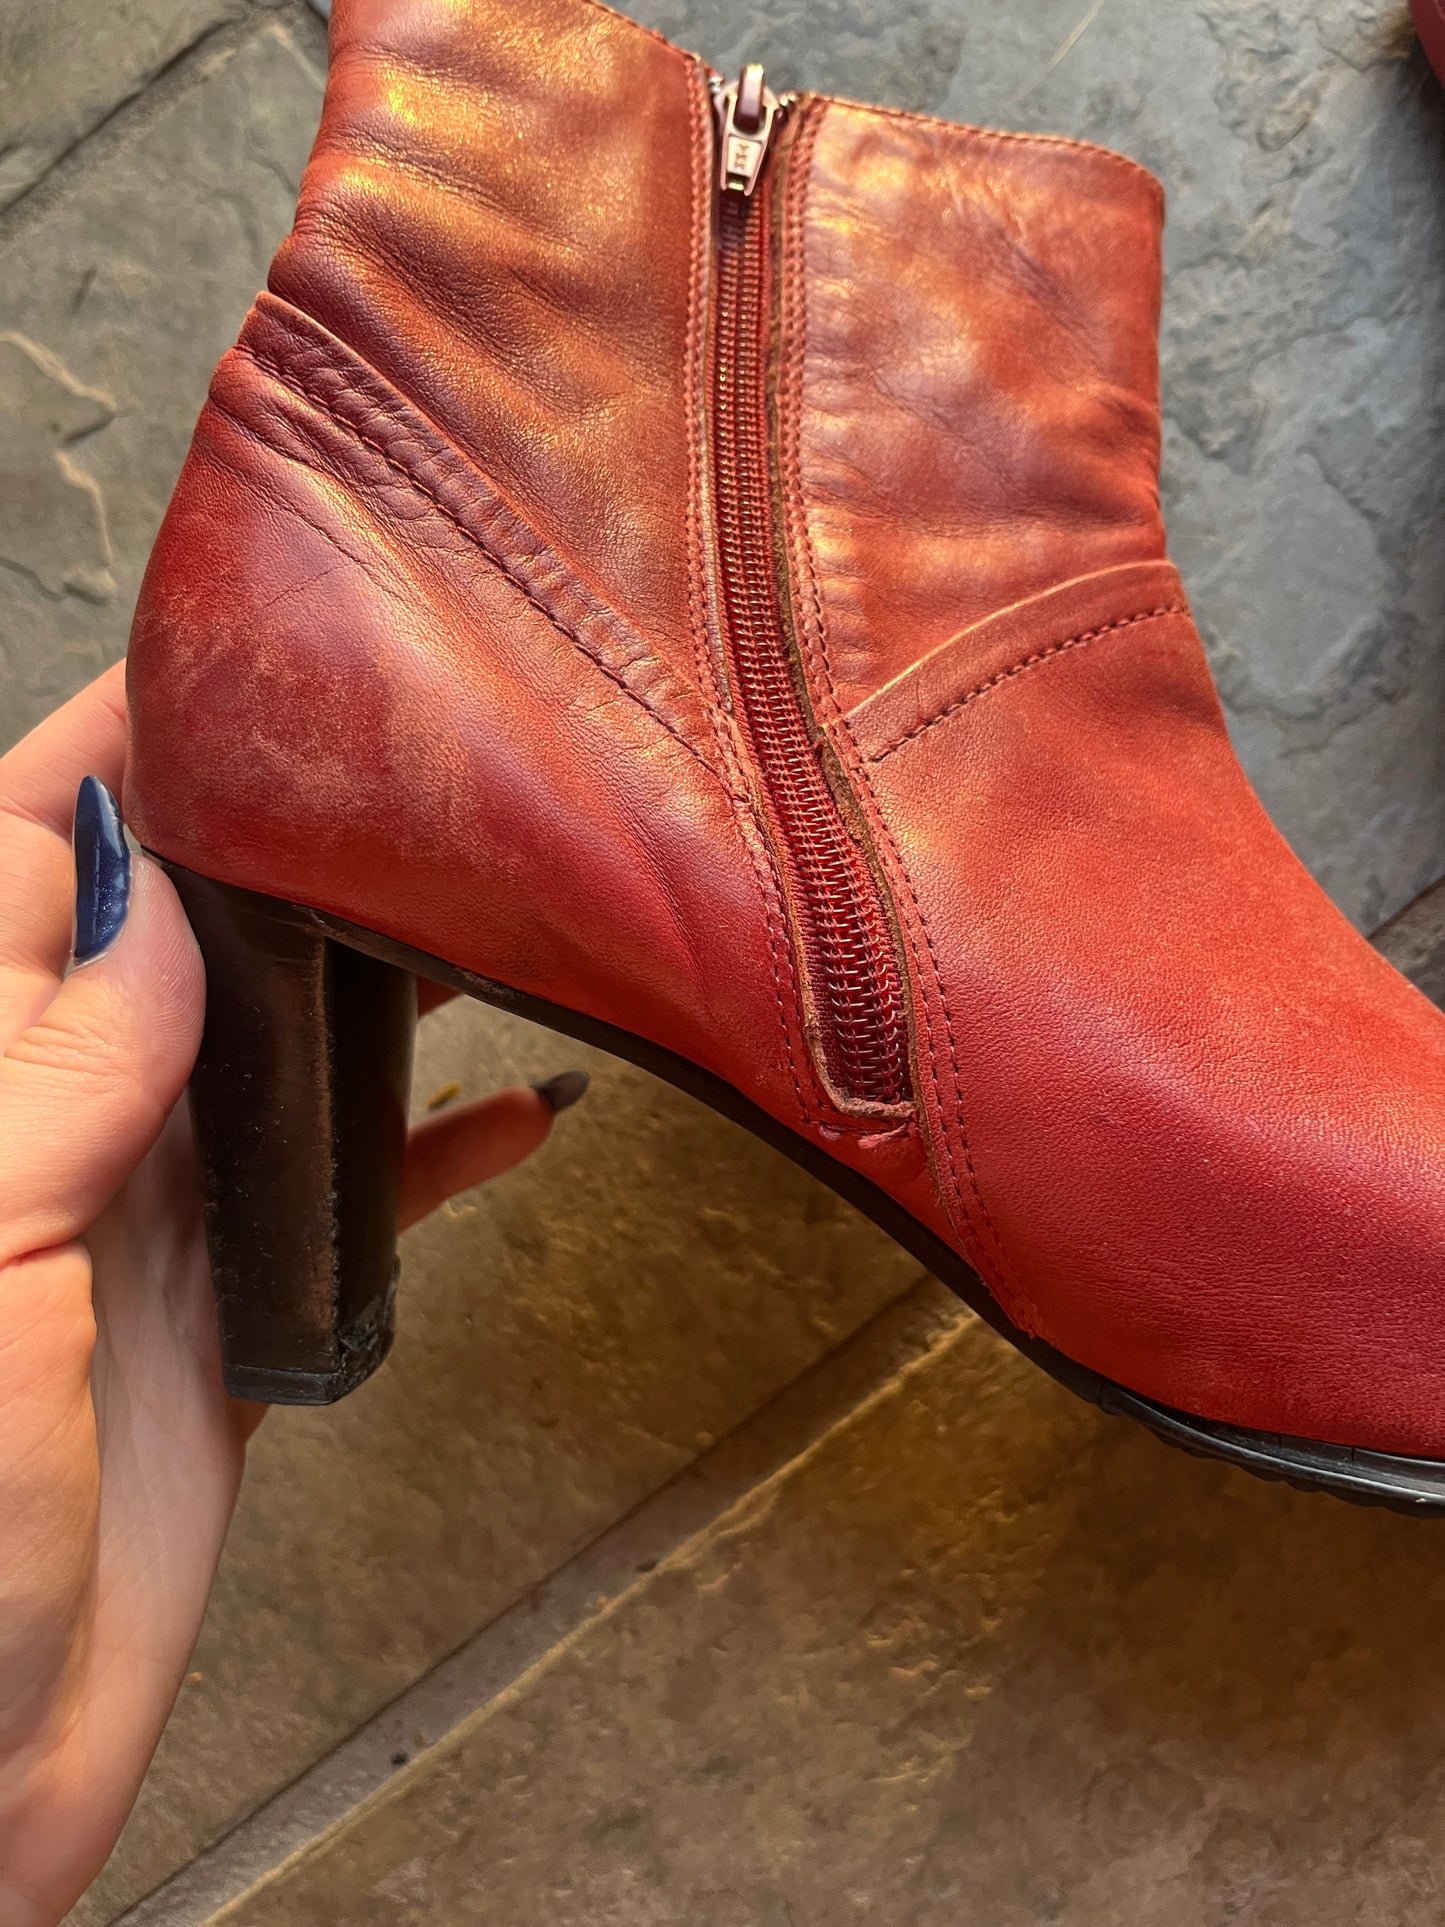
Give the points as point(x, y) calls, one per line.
point(847, 944)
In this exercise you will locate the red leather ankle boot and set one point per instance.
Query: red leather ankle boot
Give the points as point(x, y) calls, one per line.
point(685, 564)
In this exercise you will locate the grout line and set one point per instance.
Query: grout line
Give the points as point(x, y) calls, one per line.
point(116, 111)
point(187, 66)
point(522, 1636)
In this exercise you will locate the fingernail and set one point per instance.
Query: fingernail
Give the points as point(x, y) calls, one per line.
point(102, 871)
point(563, 1090)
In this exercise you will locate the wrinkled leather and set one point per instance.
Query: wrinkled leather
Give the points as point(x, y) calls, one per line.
point(503, 216)
point(428, 642)
point(977, 381)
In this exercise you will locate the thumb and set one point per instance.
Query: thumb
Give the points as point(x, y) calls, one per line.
point(85, 1089)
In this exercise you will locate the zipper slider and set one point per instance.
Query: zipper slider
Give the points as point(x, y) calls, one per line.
point(746, 111)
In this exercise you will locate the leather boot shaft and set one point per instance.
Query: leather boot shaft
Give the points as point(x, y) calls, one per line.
point(504, 217)
point(509, 215)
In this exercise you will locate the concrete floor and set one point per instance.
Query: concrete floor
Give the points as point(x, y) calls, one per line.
point(696, 1559)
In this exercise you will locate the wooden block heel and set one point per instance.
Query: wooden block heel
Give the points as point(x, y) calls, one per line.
point(299, 1097)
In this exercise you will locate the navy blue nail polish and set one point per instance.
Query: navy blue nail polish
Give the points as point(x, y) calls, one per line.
point(563, 1090)
point(102, 871)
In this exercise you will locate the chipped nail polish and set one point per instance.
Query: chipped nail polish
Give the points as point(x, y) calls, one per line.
point(102, 871)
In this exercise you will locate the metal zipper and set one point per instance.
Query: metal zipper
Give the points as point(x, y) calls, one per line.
point(846, 941)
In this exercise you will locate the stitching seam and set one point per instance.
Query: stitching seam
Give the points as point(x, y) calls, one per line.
point(795, 332)
point(636, 26)
point(1022, 667)
point(816, 633)
point(692, 406)
point(1012, 1291)
point(796, 504)
point(1014, 137)
point(413, 481)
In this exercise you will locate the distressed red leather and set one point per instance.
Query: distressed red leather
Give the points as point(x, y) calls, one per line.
point(431, 641)
point(1429, 16)
point(503, 216)
point(973, 328)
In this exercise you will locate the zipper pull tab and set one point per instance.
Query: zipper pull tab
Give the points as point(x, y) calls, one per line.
point(746, 111)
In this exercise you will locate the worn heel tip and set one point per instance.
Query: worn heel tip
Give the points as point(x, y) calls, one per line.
point(273, 1385)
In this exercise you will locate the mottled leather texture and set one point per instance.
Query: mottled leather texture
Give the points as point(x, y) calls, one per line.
point(430, 641)
point(503, 215)
point(974, 374)
point(1429, 16)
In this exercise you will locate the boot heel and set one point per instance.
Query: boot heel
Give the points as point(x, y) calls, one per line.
point(299, 1098)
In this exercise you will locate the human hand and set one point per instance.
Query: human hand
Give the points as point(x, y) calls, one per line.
point(120, 1453)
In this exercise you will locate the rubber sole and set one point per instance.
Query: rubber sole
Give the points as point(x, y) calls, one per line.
point(1365, 1478)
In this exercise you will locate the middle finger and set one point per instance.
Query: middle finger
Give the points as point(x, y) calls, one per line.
point(38, 782)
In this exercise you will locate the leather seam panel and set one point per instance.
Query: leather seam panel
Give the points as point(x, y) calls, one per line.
point(811, 635)
point(794, 496)
point(449, 515)
point(1027, 663)
point(1012, 137)
point(746, 832)
point(487, 514)
point(625, 20)
point(1010, 1296)
point(926, 976)
point(693, 377)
